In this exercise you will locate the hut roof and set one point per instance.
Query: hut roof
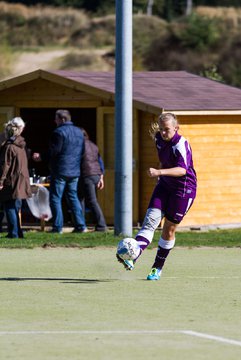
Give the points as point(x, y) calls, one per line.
point(152, 90)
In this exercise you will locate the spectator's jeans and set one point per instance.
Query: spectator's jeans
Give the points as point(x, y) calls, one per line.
point(89, 192)
point(57, 187)
point(12, 208)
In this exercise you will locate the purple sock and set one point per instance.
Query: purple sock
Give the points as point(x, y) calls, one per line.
point(161, 256)
point(143, 243)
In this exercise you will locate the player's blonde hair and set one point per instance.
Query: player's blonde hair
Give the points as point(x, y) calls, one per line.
point(155, 126)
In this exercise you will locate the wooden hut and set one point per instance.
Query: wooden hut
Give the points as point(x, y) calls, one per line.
point(209, 113)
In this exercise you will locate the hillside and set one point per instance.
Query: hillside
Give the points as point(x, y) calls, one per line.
point(56, 59)
point(46, 37)
point(50, 38)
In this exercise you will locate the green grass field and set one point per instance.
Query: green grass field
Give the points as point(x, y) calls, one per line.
point(33, 238)
point(69, 303)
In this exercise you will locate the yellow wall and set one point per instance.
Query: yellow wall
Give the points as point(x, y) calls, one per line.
point(215, 141)
point(106, 143)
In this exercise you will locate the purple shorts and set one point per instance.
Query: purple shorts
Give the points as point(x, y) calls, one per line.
point(173, 205)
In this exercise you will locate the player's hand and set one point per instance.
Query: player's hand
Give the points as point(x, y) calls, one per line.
point(1, 187)
point(153, 172)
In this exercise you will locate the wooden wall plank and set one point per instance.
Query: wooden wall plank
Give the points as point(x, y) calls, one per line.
point(41, 90)
point(215, 141)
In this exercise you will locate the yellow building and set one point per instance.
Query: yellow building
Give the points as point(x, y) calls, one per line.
point(209, 113)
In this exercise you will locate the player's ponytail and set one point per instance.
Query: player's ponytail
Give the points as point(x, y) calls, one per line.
point(154, 129)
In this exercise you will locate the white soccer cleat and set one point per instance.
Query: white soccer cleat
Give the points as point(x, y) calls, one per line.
point(128, 264)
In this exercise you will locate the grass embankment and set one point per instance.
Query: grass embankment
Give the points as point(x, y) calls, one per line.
point(200, 43)
point(214, 238)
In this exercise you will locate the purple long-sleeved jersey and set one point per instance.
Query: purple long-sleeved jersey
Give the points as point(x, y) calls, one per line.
point(177, 153)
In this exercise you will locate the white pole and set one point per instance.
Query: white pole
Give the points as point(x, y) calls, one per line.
point(123, 119)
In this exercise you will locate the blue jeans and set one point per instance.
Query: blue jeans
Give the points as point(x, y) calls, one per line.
point(12, 208)
point(57, 187)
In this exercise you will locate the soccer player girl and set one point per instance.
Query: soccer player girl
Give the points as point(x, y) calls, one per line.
point(174, 193)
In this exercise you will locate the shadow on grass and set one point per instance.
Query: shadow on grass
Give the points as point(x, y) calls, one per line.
point(62, 280)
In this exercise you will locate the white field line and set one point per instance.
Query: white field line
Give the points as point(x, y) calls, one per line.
point(212, 337)
point(123, 332)
point(204, 277)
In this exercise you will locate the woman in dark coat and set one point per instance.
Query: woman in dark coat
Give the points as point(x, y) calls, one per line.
point(14, 175)
point(92, 170)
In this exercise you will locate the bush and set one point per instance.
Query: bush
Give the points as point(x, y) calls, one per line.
point(83, 60)
point(76, 60)
point(193, 44)
point(145, 30)
point(199, 32)
point(98, 32)
point(212, 73)
point(39, 26)
point(229, 62)
point(5, 60)
point(230, 16)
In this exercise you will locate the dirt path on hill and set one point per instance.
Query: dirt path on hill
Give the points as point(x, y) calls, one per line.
point(30, 61)
point(51, 59)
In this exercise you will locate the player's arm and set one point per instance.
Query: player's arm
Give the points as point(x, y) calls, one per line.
point(175, 172)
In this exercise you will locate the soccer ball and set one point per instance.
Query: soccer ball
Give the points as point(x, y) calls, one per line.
point(128, 249)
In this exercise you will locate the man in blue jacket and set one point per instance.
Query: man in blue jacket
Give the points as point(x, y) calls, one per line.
point(65, 153)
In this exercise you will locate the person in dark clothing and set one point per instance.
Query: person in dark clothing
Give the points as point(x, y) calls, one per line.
point(14, 176)
point(65, 153)
point(3, 138)
point(92, 178)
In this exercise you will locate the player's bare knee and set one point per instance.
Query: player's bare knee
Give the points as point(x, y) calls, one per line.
point(169, 230)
